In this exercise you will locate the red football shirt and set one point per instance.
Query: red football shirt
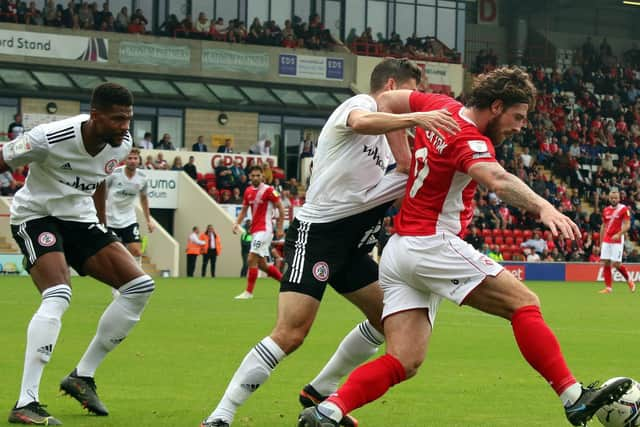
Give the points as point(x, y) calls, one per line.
point(262, 200)
point(439, 196)
point(612, 217)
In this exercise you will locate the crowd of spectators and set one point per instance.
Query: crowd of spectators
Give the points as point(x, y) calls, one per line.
point(88, 16)
point(414, 47)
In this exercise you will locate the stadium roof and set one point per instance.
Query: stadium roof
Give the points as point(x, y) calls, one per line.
point(174, 91)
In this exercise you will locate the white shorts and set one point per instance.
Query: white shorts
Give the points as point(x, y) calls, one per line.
point(261, 243)
point(612, 251)
point(417, 272)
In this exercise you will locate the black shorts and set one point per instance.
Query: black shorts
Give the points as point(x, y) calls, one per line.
point(77, 240)
point(128, 234)
point(334, 253)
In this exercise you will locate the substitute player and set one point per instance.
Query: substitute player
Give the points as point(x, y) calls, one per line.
point(124, 185)
point(329, 240)
point(262, 199)
point(57, 224)
point(616, 221)
point(427, 260)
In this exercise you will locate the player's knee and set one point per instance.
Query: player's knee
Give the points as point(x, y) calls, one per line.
point(135, 251)
point(288, 340)
point(411, 363)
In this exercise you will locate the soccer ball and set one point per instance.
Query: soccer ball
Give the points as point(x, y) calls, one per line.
point(624, 412)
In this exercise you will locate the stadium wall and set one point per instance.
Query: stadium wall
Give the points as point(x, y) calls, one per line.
point(162, 249)
point(39, 106)
point(241, 128)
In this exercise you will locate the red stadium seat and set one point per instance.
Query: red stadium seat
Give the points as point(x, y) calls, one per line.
point(519, 240)
point(496, 232)
point(210, 184)
point(488, 240)
point(507, 232)
point(506, 256)
point(515, 248)
point(498, 240)
point(199, 176)
point(210, 176)
point(504, 247)
point(527, 234)
point(509, 240)
point(596, 236)
point(517, 233)
point(486, 232)
point(546, 234)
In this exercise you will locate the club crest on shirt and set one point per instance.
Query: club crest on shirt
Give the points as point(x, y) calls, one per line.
point(321, 271)
point(46, 239)
point(110, 166)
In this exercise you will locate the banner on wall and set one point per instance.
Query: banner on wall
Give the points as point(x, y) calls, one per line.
point(438, 76)
point(594, 273)
point(245, 159)
point(55, 46)
point(162, 189)
point(31, 120)
point(11, 265)
point(488, 12)
point(226, 60)
point(154, 54)
point(310, 67)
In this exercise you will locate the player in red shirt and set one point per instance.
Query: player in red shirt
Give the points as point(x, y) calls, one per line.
point(427, 260)
point(616, 221)
point(262, 199)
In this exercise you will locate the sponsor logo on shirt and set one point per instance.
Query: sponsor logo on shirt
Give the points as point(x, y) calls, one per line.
point(375, 156)
point(82, 186)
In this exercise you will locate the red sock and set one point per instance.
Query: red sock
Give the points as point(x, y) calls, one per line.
point(608, 280)
point(368, 382)
point(252, 275)
point(540, 347)
point(623, 270)
point(274, 273)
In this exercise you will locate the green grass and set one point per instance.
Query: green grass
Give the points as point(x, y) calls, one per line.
point(176, 363)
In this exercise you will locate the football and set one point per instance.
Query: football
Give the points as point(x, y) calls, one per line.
point(625, 411)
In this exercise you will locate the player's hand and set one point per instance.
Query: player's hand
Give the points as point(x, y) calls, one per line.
point(436, 121)
point(559, 223)
point(236, 228)
point(616, 236)
point(151, 226)
point(279, 233)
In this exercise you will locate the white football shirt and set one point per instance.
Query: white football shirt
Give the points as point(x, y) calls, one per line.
point(349, 169)
point(62, 175)
point(122, 196)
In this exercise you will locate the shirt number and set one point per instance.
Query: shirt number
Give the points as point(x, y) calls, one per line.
point(420, 171)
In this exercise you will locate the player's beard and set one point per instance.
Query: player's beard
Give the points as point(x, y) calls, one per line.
point(493, 131)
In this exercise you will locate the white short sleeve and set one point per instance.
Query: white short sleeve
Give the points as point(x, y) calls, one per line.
point(27, 148)
point(358, 102)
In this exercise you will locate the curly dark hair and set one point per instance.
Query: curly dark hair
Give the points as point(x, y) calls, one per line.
point(108, 94)
point(511, 85)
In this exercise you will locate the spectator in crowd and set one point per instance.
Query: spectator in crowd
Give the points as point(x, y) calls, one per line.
point(262, 147)
point(238, 171)
point(177, 164)
point(122, 20)
point(165, 143)
point(139, 14)
point(224, 176)
point(236, 196)
point(532, 255)
point(495, 253)
point(211, 249)
point(8, 185)
point(160, 163)
point(195, 247)
point(146, 142)
point(475, 239)
point(103, 15)
point(199, 145)
point(225, 197)
point(135, 27)
point(307, 148)
point(535, 242)
point(169, 27)
point(190, 168)
point(149, 163)
point(16, 128)
point(202, 24)
point(227, 147)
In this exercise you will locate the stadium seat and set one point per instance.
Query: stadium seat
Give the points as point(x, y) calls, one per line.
point(504, 247)
point(527, 234)
point(596, 236)
point(506, 256)
point(496, 232)
point(486, 232)
point(210, 176)
point(519, 240)
point(515, 248)
point(546, 234)
point(498, 240)
point(517, 233)
point(509, 240)
point(488, 240)
point(210, 185)
point(507, 232)
point(199, 176)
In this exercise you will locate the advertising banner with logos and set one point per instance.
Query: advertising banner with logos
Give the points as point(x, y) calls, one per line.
point(11, 265)
point(162, 189)
point(234, 61)
point(245, 159)
point(55, 46)
point(154, 54)
point(567, 272)
point(311, 67)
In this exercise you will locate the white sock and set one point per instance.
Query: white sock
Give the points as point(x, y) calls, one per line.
point(116, 322)
point(358, 346)
point(331, 410)
point(251, 374)
point(42, 335)
point(571, 394)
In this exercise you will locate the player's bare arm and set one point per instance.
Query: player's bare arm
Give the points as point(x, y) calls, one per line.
point(3, 165)
point(100, 202)
point(280, 220)
point(370, 123)
point(239, 219)
point(516, 193)
point(144, 202)
point(626, 225)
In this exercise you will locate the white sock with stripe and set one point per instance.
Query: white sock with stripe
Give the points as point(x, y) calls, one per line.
point(116, 322)
point(42, 335)
point(254, 370)
point(358, 346)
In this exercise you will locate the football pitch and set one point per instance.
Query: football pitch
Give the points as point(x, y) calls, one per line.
point(176, 363)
